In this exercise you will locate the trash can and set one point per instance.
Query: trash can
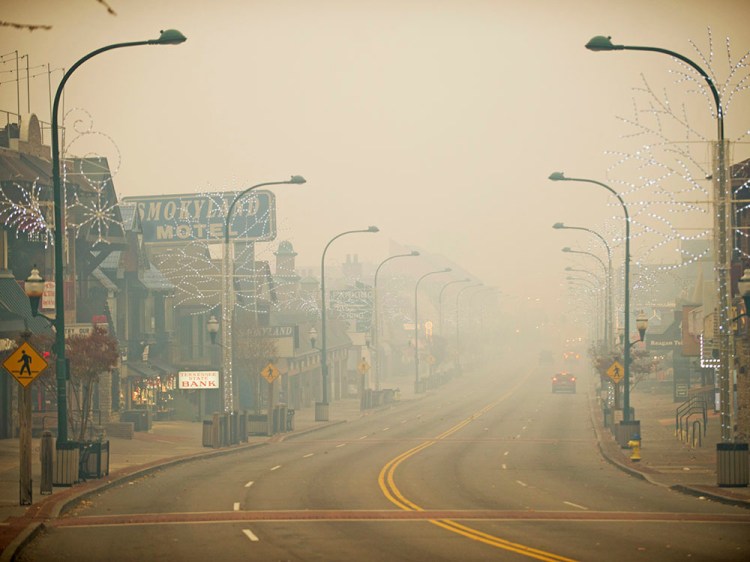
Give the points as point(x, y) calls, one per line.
point(279, 418)
point(208, 433)
point(732, 464)
point(321, 411)
point(290, 419)
point(141, 419)
point(257, 424)
point(94, 459)
point(626, 430)
point(46, 457)
point(66, 470)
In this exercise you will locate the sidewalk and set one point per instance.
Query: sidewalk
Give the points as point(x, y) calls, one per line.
point(168, 442)
point(665, 460)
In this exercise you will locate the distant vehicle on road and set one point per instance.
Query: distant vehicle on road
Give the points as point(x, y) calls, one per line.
point(564, 382)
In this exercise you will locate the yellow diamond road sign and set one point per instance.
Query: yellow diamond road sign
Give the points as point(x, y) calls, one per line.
point(616, 371)
point(25, 364)
point(363, 366)
point(270, 372)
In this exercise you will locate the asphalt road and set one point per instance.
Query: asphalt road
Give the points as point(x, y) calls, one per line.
point(492, 466)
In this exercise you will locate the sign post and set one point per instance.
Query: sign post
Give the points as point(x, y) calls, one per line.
point(616, 372)
point(363, 366)
point(25, 364)
point(270, 372)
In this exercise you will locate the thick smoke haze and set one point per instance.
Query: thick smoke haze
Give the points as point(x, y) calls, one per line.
point(437, 121)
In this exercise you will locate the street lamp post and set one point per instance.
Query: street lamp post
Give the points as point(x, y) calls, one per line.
point(588, 285)
point(440, 301)
point(417, 388)
point(376, 323)
point(321, 408)
point(722, 229)
point(168, 37)
point(229, 401)
point(458, 318)
point(609, 305)
point(559, 176)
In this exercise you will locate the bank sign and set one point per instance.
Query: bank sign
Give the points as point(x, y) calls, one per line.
point(170, 219)
point(198, 380)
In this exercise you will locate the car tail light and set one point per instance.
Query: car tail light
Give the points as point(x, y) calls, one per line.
point(572, 379)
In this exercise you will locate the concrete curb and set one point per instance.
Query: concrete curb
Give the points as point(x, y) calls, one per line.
point(642, 475)
point(699, 493)
point(62, 504)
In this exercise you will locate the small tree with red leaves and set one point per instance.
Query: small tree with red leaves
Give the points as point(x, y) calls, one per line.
point(90, 355)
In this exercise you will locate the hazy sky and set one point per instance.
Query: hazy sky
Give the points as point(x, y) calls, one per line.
point(437, 121)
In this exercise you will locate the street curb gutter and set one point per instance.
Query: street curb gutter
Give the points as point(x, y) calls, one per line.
point(114, 479)
point(64, 504)
point(698, 493)
point(681, 488)
point(125, 474)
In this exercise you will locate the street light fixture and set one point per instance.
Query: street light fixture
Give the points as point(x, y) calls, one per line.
point(722, 227)
point(229, 401)
point(641, 324)
point(609, 306)
point(321, 408)
point(376, 323)
point(212, 325)
point(417, 388)
point(34, 287)
point(559, 176)
point(168, 37)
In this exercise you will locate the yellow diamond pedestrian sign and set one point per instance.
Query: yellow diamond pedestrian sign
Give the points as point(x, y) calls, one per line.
point(270, 372)
point(616, 372)
point(25, 364)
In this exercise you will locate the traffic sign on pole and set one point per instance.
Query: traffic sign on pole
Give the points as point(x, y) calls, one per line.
point(616, 372)
point(363, 366)
point(25, 364)
point(270, 372)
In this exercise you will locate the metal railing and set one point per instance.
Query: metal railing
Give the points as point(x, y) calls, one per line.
point(695, 405)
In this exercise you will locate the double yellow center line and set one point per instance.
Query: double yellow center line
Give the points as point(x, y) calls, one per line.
point(387, 483)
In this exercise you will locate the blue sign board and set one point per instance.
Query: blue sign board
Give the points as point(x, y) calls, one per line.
point(171, 219)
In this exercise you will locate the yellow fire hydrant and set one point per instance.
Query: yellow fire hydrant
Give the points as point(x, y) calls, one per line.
point(635, 445)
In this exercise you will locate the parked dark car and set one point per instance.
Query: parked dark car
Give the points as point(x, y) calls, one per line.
point(564, 382)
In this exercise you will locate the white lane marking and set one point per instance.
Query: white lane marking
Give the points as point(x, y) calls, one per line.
point(518, 436)
point(506, 453)
point(236, 506)
point(522, 483)
point(576, 505)
point(250, 535)
point(505, 467)
point(523, 428)
point(341, 445)
point(308, 455)
point(363, 437)
point(278, 466)
point(249, 484)
point(386, 428)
